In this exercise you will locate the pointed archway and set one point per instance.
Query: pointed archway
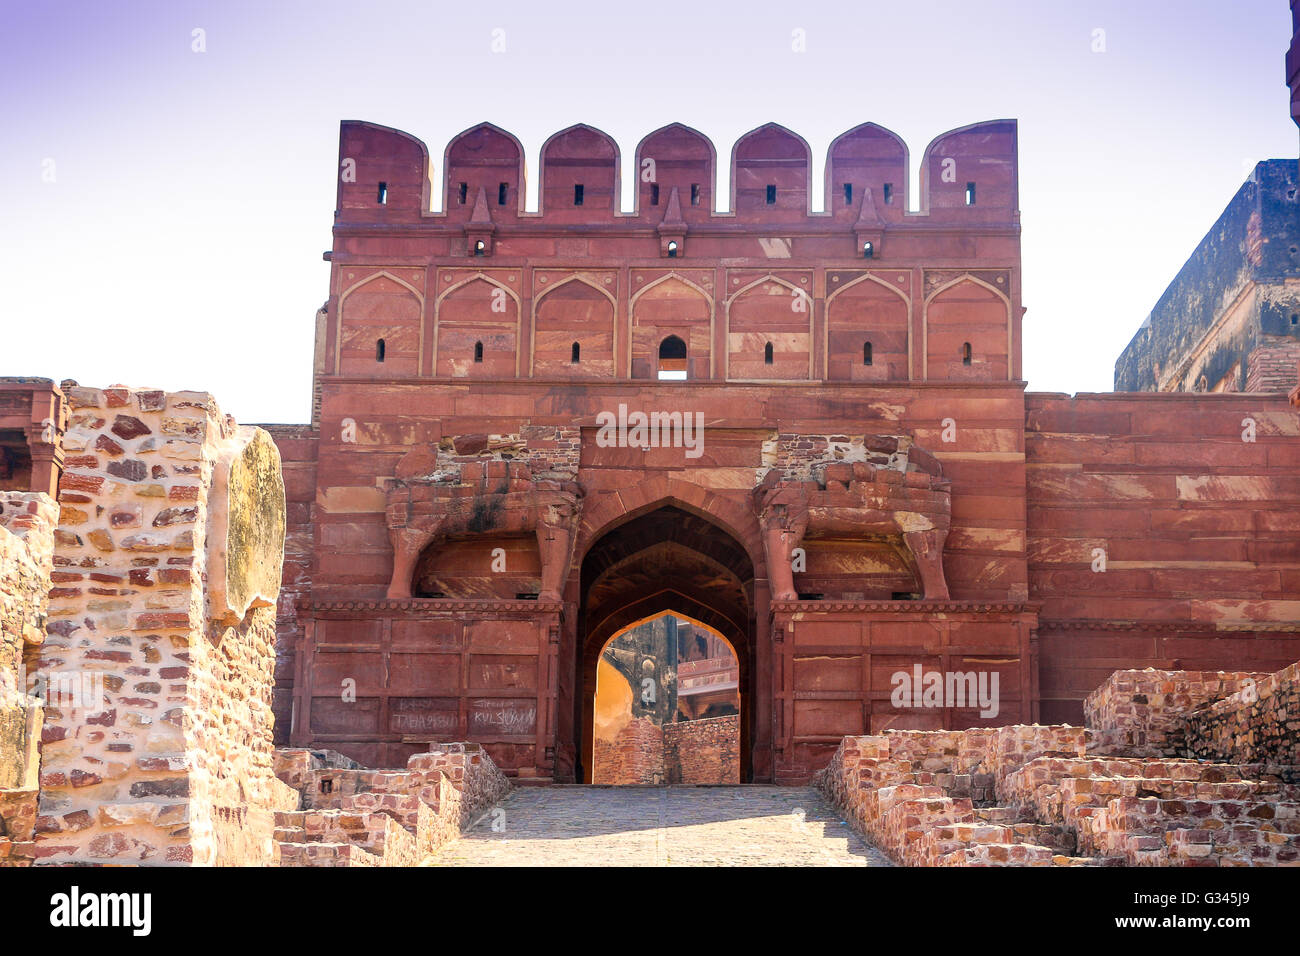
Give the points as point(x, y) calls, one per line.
point(666, 558)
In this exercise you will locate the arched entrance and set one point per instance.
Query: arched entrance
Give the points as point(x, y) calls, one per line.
point(667, 705)
point(665, 559)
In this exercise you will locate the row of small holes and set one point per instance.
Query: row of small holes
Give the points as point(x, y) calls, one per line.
point(503, 190)
point(576, 351)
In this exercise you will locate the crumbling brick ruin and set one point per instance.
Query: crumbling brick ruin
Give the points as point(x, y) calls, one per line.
point(351, 816)
point(140, 612)
point(1175, 768)
point(703, 751)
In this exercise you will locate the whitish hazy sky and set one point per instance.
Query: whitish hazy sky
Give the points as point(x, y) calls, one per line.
point(180, 242)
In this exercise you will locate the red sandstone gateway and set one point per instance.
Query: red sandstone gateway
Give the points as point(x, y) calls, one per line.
point(872, 491)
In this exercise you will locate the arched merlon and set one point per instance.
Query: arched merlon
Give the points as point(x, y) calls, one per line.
point(866, 156)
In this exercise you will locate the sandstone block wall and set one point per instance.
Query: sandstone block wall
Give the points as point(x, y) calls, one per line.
point(1258, 723)
point(1069, 796)
point(702, 751)
point(1196, 523)
point(688, 751)
point(390, 817)
point(166, 569)
point(635, 756)
point(1148, 709)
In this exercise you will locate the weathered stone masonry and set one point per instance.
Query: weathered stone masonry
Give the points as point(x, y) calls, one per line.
point(26, 549)
point(166, 570)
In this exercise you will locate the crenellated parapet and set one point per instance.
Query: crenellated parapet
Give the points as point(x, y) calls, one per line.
point(896, 494)
point(967, 175)
point(428, 504)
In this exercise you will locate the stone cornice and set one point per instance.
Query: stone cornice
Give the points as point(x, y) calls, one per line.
point(439, 604)
point(1079, 625)
point(912, 607)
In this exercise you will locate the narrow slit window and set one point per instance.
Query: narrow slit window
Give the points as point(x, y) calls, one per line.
point(672, 248)
point(382, 198)
point(965, 354)
point(848, 194)
point(866, 353)
point(868, 250)
point(503, 191)
point(478, 351)
point(577, 194)
point(767, 354)
point(695, 194)
point(380, 349)
point(970, 194)
point(771, 195)
point(889, 194)
point(575, 353)
point(462, 193)
point(480, 247)
point(654, 194)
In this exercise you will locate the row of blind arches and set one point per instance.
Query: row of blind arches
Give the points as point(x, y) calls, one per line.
point(672, 355)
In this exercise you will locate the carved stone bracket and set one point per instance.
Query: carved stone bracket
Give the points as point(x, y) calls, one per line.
point(482, 497)
point(856, 499)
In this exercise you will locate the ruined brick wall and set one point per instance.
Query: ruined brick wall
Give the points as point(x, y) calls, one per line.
point(166, 570)
point(1260, 723)
point(635, 756)
point(702, 751)
point(1195, 526)
point(1147, 710)
point(688, 751)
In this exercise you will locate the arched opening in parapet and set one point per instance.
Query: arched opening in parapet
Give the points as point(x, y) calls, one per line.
point(667, 705)
point(672, 359)
point(665, 561)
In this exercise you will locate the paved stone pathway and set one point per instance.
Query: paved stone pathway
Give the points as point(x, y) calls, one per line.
point(660, 826)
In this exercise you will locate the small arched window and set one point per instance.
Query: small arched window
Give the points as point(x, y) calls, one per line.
point(575, 353)
point(767, 354)
point(380, 349)
point(478, 351)
point(965, 353)
point(866, 353)
point(672, 359)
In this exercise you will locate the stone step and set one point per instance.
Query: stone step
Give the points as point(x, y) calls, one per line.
point(999, 854)
point(323, 855)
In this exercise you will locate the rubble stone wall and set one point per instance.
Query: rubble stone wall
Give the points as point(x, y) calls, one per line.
point(702, 751)
point(1260, 723)
point(166, 570)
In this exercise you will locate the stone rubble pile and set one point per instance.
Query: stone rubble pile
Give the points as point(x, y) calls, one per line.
point(1129, 790)
point(352, 816)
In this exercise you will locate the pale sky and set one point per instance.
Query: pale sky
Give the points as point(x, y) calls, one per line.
point(179, 242)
